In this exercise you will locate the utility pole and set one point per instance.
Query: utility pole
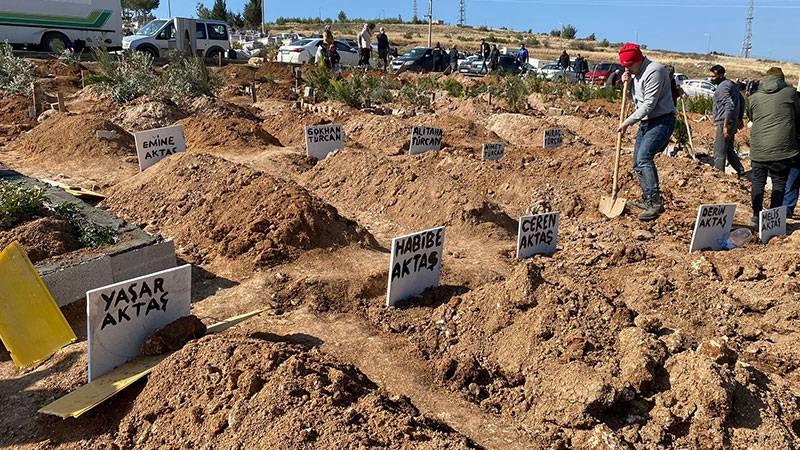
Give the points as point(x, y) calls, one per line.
point(169, 8)
point(461, 12)
point(708, 42)
point(747, 43)
point(263, 17)
point(414, 15)
point(430, 23)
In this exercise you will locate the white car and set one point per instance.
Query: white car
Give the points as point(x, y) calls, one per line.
point(680, 78)
point(555, 72)
point(304, 52)
point(159, 35)
point(698, 88)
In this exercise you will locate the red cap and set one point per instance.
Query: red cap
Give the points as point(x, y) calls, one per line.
point(630, 54)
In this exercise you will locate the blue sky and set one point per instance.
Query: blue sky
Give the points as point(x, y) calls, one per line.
point(682, 25)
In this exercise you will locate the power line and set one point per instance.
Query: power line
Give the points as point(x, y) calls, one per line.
point(414, 10)
point(747, 44)
point(461, 12)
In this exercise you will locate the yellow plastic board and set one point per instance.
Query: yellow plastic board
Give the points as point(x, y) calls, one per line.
point(90, 395)
point(32, 327)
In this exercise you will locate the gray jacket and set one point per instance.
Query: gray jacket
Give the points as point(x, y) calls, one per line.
point(728, 104)
point(651, 93)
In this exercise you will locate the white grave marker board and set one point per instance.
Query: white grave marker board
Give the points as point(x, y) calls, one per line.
point(537, 235)
point(493, 152)
point(772, 222)
point(553, 138)
point(122, 315)
point(713, 227)
point(154, 145)
point(324, 139)
point(424, 139)
point(415, 264)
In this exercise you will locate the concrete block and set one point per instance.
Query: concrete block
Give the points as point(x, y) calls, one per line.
point(143, 261)
point(69, 284)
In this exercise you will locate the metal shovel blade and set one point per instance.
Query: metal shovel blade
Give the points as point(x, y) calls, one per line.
point(612, 206)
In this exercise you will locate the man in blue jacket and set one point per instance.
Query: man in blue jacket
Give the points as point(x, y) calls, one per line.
point(522, 55)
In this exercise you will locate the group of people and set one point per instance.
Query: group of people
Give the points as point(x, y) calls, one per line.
point(328, 55)
point(773, 109)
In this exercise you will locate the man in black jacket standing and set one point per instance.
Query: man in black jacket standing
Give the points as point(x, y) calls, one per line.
point(383, 48)
point(486, 51)
point(563, 62)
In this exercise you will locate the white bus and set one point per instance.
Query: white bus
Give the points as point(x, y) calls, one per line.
point(49, 24)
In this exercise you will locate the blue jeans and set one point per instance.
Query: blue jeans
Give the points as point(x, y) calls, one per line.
point(652, 138)
point(792, 188)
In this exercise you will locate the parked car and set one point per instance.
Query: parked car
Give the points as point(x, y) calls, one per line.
point(392, 51)
point(351, 42)
point(506, 63)
point(698, 88)
point(418, 59)
point(555, 72)
point(599, 73)
point(159, 35)
point(304, 52)
point(680, 78)
point(465, 60)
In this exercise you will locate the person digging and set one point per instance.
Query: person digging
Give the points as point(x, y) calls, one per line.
point(651, 94)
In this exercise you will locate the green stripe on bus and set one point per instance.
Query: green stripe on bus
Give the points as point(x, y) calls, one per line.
point(96, 19)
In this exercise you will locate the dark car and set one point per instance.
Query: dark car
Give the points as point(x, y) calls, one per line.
point(506, 63)
point(600, 72)
point(419, 59)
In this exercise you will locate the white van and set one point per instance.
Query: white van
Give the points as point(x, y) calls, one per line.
point(211, 37)
point(50, 24)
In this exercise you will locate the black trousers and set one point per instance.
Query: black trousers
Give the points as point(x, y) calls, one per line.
point(779, 172)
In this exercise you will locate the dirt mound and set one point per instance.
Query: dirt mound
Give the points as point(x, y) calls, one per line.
point(517, 129)
point(214, 108)
point(54, 67)
point(275, 71)
point(70, 145)
point(216, 209)
point(459, 132)
point(288, 125)
point(387, 133)
point(14, 118)
point(415, 192)
point(233, 134)
point(148, 113)
point(43, 238)
point(261, 391)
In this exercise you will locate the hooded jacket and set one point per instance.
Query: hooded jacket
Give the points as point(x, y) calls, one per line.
point(775, 112)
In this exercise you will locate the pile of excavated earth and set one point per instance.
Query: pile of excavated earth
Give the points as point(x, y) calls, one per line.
point(620, 340)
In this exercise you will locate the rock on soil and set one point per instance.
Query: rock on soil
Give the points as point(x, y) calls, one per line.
point(215, 208)
point(173, 336)
point(43, 238)
point(262, 391)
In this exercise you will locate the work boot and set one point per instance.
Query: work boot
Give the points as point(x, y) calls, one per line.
point(653, 208)
point(640, 204)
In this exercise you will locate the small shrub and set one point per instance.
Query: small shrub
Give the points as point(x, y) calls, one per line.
point(187, 77)
point(569, 32)
point(408, 35)
point(18, 203)
point(16, 74)
point(124, 80)
point(699, 104)
point(608, 93)
point(531, 41)
point(585, 46)
point(680, 134)
point(483, 28)
point(604, 43)
point(67, 56)
point(90, 234)
point(453, 87)
point(581, 92)
point(515, 92)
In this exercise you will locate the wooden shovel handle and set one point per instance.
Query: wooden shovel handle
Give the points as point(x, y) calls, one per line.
point(619, 140)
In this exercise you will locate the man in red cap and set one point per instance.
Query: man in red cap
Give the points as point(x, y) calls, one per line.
point(651, 92)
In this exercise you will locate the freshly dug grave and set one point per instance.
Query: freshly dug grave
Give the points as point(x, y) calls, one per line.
point(43, 238)
point(148, 113)
point(288, 125)
point(459, 132)
point(214, 108)
point(387, 133)
point(225, 135)
point(219, 210)
point(69, 144)
point(14, 118)
point(263, 391)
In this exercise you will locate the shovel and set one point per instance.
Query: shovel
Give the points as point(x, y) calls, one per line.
point(613, 206)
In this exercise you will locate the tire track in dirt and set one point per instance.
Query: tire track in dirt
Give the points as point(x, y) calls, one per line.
point(390, 362)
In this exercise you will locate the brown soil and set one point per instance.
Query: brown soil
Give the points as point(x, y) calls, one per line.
point(287, 125)
point(173, 336)
point(14, 118)
point(233, 135)
point(148, 113)
point(266, 391)
point(54, 67)
point(69, 145)
point(43, 238)
point(216, 209)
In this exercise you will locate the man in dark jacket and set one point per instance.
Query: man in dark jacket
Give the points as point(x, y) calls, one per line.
point(728, 111)
point(579, 62)
point(383, 48)
point(486, 51)
point(563, 62)
point(494, 58)
point(775, 112)
point(438, 56)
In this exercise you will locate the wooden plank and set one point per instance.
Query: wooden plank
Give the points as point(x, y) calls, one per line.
point(98, 391)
